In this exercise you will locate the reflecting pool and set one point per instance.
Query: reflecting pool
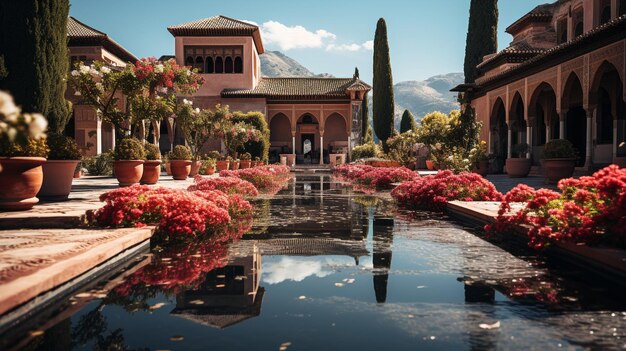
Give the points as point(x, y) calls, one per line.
point(324, 268)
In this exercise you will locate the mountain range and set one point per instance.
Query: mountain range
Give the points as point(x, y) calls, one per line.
point(419, 97)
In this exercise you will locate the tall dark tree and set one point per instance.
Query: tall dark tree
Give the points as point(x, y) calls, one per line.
point(34, 58)
point(408, 122)
point(383, 107)
point(482, 35)
point(356, 73)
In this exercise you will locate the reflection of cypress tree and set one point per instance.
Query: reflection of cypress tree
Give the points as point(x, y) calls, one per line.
point(383, 238)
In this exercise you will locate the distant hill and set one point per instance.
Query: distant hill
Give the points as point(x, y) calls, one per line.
point(277, 64)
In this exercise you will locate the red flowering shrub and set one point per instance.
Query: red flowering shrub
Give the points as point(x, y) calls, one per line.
point(230, 185)
point(587, 210)
point(433, 192)
point(368, 178)
point(267, 179)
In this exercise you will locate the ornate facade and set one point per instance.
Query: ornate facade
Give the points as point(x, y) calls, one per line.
point(561, 77)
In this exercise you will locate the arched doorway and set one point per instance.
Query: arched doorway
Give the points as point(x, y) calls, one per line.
point(280, 137)
point(307, 139)
point(335, 136)
point(498, 130)
point(165, 143)
point(517, 122)
point(576, 117)
point(543, 117)
point(606, 94)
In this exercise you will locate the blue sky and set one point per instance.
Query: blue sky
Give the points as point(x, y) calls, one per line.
point(426, 38)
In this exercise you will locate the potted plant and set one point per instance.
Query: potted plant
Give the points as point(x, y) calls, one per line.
point(58, 172)
point(519, 167)
point(22, 152)
point(196, 163)
point(246, 161)
point(129, 158)
point(152, 165)
point(180, 162)
point(78, 172)
point(167, 165)
point(234, 164)
point(559, 159)
point(208, 166)
point(223, 163)
point(480, 159)
point(257, 162)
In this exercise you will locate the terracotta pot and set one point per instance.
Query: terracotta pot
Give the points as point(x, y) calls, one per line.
point(210, 170)
point(559, 168)
point(243, 164)
point(430, 165)
point(235, 165)
point(222, 165)
point(518, 167)
point(481, 167)
point(151, 172)
point(128, 172)
point(21, 179)
point(168, 168)
point(180, 169)
point(78, 174)
point(57, 179)
point(195, 168)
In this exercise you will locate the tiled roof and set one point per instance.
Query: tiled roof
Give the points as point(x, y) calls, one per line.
point(80, 34)
point(541, 13)
point(588, 41)
point(517, 53)
point(300, 88)
point(218, 26)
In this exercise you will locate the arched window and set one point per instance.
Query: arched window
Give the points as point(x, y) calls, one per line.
point(219, 65)
point(578, 30)
point(228, 64)
point(189, 61)
point(238, 64)
point(199, 64)
point(210, 67)
point(605, 15)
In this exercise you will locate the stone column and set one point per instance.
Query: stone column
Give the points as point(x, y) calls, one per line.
point(509, 143)
point(562, 133)
point(349, 153)
point(489, 141)
point(548, 132)
point(529, 140)
point(590, 111)
point(321, 149)
point(293, 148)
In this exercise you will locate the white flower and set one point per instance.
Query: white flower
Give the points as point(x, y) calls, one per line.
point(163, 90)
point(450, 158)
point(84, 69)
point(438, 146)
point(188, 73)
point(187, 102)
point(75, 73)
point(94, 72)
point(105, 70)
point(99, 86)
point(158, 68)
point(77, 93)
point(37, 126)
point(197, 110)
point(466, 160)
point(243, 130)
point(7, 105)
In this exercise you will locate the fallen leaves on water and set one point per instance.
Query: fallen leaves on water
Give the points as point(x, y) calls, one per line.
point(339, 285)
point(157, 306)
point(177, 338)
point(301, 297)
point(197, 302)
point(495, 325)
point(36, 332)
point(284, 346)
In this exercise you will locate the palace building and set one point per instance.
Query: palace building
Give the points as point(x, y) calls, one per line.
point(310, 119)
point(562, 77)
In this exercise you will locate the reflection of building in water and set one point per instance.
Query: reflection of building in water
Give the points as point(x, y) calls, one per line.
point(382, 243)
point(228, 295)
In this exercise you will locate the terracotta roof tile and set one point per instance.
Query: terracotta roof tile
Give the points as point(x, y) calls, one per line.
point(541, 13)
point(80, 34)
point(300, 88)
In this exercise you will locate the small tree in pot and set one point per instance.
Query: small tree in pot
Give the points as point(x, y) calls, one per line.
point(559, 160)
point(180, 162)
point(152, 165)
point(58, 171)
point(245, 160)
point(129, 158)
point(519, 167)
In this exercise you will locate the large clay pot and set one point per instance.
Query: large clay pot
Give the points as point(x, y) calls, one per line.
point(518, 167)
point(430, 165)
point(235, 165)
point(243, 164)
point(21, 179)
point(180, 169)
point(168, 168)
point(195, 168)
point(128, 172)
point(57, 179)
point(222, 165)
point(210, 170)
point(558, 168)
point(151, 172)
point(481, 167)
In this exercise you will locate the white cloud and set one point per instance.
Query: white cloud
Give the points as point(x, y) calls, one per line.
point(296, 37)
point(291, 269)
point(368, 45)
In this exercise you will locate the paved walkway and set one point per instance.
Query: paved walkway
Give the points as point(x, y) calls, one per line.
point(503, 183)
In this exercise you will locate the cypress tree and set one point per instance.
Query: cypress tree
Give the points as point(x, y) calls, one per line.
point(408, 122)
point(482, 35)
point(383, 107)
point(33, 53)
point(356, 73)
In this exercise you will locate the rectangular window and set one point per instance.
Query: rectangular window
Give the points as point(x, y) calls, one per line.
point(561, 31)
point(578, 22)
point(210, 59)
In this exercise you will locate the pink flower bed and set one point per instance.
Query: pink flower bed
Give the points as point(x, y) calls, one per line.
point(267, 179)
point(586, 210)
point(174, 211)
point(368, 178)
point(230, 185)
point(433, 192)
